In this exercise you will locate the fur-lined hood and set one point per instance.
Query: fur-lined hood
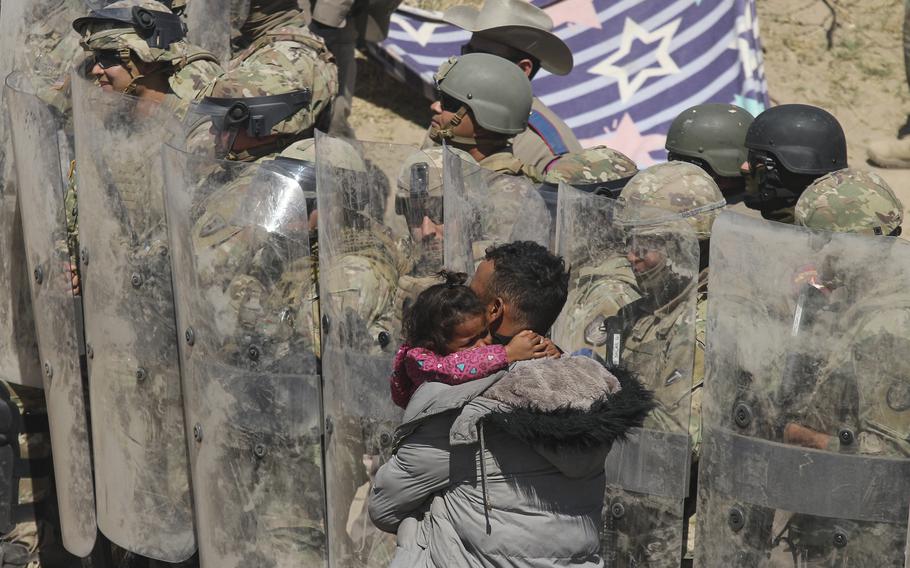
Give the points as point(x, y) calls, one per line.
point(570, 403)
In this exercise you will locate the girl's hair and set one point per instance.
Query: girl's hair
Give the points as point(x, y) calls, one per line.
point(430, 320)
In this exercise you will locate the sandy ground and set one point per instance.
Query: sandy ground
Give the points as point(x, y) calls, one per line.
point(860, 79)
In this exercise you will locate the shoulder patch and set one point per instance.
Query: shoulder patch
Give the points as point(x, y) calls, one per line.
point(548, 132)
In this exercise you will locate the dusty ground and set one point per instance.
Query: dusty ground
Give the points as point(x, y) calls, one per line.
point(861, 79)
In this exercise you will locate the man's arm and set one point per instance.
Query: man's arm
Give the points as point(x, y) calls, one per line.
point(418, 469)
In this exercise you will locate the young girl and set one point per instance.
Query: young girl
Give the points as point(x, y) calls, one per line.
point(447, 340)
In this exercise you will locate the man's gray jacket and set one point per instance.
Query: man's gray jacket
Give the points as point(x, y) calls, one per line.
point(506, 471)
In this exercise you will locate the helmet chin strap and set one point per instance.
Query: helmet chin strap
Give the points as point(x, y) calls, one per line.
point(446, 132)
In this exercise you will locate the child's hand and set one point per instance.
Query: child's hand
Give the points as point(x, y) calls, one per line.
point(526, 345)
point(551, 351)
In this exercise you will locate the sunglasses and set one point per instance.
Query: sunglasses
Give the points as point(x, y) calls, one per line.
point(414, 209)
point(106, 58)
point(449, 103)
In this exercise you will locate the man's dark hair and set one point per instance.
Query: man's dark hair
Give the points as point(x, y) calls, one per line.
point(533, 281)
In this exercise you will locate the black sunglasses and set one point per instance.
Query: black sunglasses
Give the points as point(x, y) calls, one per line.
point(448, 102)
point(106, 58)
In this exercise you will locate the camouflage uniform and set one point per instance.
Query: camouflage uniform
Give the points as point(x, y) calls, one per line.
point(601, 288)
point(282, 39)
point(842, 398)
point(659, 348)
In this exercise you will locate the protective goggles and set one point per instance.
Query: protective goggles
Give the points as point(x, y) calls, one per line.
point(257, 115)
point(415, 208)
point(158, 29)
point(104, 58)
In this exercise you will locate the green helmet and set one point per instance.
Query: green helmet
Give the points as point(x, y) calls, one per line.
point(850, 201)
point(599, 169)
point(680, 188)
point(712, 133)
point(495, 89)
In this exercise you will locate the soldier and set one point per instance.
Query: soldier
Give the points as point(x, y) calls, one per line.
point(664, 341)
point(789, 147)
point(342, 24)
point(712, 136)
point(854, 201)
point(258, 109)
point(483, 102)
point(819, 373)
point(602, 282)
point(138, 47)
point(522, 33)
point(275, 33)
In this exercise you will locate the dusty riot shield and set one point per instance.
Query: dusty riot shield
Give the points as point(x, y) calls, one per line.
point(246, 292)
point(806, 413)
point(631, 301)
point(486, 208)
point(139, 441)
point(209, 26)
point(371, 262)
point(42, 142)
point(19, 361)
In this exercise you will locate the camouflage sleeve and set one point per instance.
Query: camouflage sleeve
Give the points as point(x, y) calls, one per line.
point(72, 218)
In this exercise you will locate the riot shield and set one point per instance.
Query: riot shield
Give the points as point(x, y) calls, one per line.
point(245, 285)
point(141, 466)
point(41, 137)
point(485, 208)
point(208, 25)
point(806, 414)
point(633, 276)
point(371, 263)
point(19, 361)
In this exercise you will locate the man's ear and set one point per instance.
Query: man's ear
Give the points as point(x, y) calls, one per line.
point(496, 309)
point(527, 66)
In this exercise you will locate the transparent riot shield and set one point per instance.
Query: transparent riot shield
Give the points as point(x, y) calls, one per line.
point(633, 276)
point(806, 415)
point(373, 251)
point(208, 25)
point(245, 284)
point(141, 466)
point(19, 361)
point(485, 208)
point(42, 142)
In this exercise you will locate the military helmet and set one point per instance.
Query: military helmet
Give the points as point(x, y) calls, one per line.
point(680, 188)
point(599, 170)
point(714, 133)
point(804, 139)
point(850, 201)
point(262, 99)
point(144, 27)
point(495, 89)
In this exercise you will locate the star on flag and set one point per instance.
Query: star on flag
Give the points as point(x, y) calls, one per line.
point(422, 34)
point(626, 138)
point(630, 82)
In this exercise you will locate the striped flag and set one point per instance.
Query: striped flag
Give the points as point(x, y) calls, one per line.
point(638, 64)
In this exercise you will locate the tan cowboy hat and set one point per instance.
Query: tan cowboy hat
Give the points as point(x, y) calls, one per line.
point(519, 25)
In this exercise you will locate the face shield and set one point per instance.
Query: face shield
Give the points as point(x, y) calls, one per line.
point(256, 116)
point(158, 29)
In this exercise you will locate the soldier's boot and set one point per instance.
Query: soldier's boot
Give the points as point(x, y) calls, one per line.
point(893, 153)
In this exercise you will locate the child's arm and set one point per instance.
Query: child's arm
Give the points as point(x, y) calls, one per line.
point(455, 368)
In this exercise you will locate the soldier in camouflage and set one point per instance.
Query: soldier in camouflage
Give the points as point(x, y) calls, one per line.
point(603, 286)
point(276, 33)
point(847, 409)
point(658, 344)
point(712, 136)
